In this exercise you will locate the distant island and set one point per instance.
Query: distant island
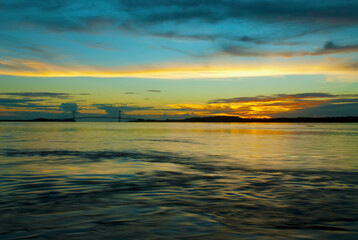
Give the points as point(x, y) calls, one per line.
point(348, 119)
point(42, 120)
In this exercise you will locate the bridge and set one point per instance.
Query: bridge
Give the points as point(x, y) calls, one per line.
point(74, 117)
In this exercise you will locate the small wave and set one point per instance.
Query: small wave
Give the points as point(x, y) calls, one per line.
point(183, 203)
point(168, 140)
point(208, 164)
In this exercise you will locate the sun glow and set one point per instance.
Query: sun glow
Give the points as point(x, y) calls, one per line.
point(32, 68)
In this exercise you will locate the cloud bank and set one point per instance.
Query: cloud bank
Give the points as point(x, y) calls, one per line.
point(278, 105)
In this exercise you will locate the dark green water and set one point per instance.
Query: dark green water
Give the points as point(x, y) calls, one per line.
point(178, 181)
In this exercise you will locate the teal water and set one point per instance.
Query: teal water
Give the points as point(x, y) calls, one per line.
point(178, 181)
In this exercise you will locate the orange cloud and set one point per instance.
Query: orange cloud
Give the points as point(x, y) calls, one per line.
point(262, 106)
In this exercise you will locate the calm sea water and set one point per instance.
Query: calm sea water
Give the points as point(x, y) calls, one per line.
point(178, 181)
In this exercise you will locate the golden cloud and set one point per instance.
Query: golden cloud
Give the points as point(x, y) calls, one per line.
point(33, 68)
point(254, 107)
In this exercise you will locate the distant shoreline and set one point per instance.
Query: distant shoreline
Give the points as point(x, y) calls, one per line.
point(349, 119)
point(42, 120)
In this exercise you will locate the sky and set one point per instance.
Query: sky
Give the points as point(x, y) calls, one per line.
point(167, 59)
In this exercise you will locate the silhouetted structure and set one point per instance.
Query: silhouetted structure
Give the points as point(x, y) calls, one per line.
point(119, 117)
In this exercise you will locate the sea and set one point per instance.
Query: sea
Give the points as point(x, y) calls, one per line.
point(79, 180)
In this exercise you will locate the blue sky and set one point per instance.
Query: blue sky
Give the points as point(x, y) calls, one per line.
point(173, 59)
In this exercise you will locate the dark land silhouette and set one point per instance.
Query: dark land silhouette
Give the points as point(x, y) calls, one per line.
point(349, 119)
point(42, 120)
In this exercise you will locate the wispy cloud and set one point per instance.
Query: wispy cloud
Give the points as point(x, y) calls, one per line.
point(99, 46)
point(77, 24)
point(264, 98)
point(328, 48)
point(22, 47)
point(24, 67)
point(41, 94)
point(208, 37)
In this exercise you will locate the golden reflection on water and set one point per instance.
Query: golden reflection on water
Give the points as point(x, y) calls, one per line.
point(255, 145)
point(243, 131)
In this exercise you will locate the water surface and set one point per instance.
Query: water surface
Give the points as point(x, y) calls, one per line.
point(178, 181)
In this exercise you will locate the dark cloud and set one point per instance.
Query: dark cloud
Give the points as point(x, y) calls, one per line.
point(212, 37)
point(65, 15)
point(38, 94)
point(38, 101)
point(153, 90)
point(325, 110)
point(42, 94)
point(299, 96)
point(333, 12)
point(68, 107)
point(62, 15)
point(181, 36)
point(142, 17)
point(31, 104)
point(129, 93)
point(113, 109)
point(331, 48)
point(15, 102)
point(20, 5)
point(328, 48)
point(235, 50)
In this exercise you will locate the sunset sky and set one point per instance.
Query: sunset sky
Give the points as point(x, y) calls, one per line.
point(178, 58)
